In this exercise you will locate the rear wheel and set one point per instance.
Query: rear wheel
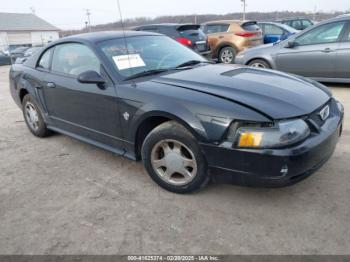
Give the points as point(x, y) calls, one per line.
point(173, 159)
point(33, 118)
point(227, 55)
point(259, 63)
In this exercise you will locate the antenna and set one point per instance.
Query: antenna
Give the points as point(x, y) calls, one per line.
point(123, 29)
point(315, 12)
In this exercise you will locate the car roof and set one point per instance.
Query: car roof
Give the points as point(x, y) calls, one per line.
point(294, 18)
point(229, 22)
point(271, 23)
point(93, 38)
point(335, 19)
point(104, 36)
point(283, 26)
point(165, 24)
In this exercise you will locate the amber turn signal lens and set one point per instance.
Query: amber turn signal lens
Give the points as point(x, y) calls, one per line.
point(250, 139)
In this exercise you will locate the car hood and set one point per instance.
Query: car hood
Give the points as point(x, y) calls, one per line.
point(274, 94)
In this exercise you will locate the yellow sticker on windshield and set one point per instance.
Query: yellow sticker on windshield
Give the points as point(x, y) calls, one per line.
point(128, 61)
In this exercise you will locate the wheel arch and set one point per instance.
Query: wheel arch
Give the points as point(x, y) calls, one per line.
point(22, 93)
point(223, 45)
point(150, 120)
point(261, 58)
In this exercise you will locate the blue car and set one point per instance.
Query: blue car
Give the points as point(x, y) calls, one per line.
point(274, 32)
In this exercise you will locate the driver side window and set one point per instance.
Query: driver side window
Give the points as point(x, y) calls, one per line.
point(324, 34)
point(74, 59)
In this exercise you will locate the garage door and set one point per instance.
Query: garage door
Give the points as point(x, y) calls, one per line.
point(19, 38)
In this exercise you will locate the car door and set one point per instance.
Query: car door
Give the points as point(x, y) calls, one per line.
point(313, 53)
point(342, 65)
point(86, 110)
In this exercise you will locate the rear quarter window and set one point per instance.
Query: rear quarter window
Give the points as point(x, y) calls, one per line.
point(217, 28)
point(44, 61)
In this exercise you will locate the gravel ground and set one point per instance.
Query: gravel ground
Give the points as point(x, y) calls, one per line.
point(61, 196)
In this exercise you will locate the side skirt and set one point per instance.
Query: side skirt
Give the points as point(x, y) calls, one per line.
point(116, 151)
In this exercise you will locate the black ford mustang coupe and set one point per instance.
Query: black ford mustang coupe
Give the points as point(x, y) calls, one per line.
point(147, 97)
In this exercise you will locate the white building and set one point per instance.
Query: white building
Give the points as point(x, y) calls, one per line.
point(25, 29)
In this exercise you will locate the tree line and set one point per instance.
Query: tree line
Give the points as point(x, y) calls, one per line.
point(257, 16)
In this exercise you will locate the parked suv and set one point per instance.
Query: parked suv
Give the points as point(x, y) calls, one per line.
point(227, 38)
point(297, 23)
point(189, 35)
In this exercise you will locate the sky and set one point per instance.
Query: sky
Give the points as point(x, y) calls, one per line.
point(71, 14)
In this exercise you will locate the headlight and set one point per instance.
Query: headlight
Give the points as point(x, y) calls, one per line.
point(282, 134)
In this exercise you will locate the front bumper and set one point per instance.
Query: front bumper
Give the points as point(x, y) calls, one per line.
point(275, 167)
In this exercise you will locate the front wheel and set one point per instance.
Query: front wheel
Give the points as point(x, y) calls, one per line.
point(259, 64)
point(173, 159)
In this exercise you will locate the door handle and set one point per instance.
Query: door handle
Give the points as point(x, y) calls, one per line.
point(51, 85)
point(327, 50)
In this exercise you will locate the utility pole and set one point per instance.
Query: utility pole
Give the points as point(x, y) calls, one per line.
point(88, 14)
point(315, 11)
point(244, 8)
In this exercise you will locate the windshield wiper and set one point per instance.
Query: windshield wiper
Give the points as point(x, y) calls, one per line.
point(158, 71)
point(146, 73)
point(192, 62)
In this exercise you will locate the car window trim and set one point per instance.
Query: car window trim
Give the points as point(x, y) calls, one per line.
point(218, 24)
point(337, 41)
point(50, 49)
point(67, 43)
point(69, 75)
point(345, 37)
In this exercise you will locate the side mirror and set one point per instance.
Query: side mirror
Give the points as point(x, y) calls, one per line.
point(91, 77)
point(291, 44)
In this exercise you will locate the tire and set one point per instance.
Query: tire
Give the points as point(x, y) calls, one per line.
point(227, 55)
point(33, 117)
point(167, 169)
point(259, 63)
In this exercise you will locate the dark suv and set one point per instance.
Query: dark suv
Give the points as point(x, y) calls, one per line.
point(297, 23)
point(189, 35)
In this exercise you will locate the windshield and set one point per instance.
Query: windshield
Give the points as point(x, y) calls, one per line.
point(289, 28)
point(146, 53)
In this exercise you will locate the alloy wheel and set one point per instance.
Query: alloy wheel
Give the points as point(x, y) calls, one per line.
point(32, 116)
point(227, 56)
point(174, 162)
point(258, 65)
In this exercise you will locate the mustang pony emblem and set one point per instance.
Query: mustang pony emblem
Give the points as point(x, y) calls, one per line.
point(324, 114)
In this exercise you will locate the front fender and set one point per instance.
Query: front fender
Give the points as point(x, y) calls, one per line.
point(161, 109)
